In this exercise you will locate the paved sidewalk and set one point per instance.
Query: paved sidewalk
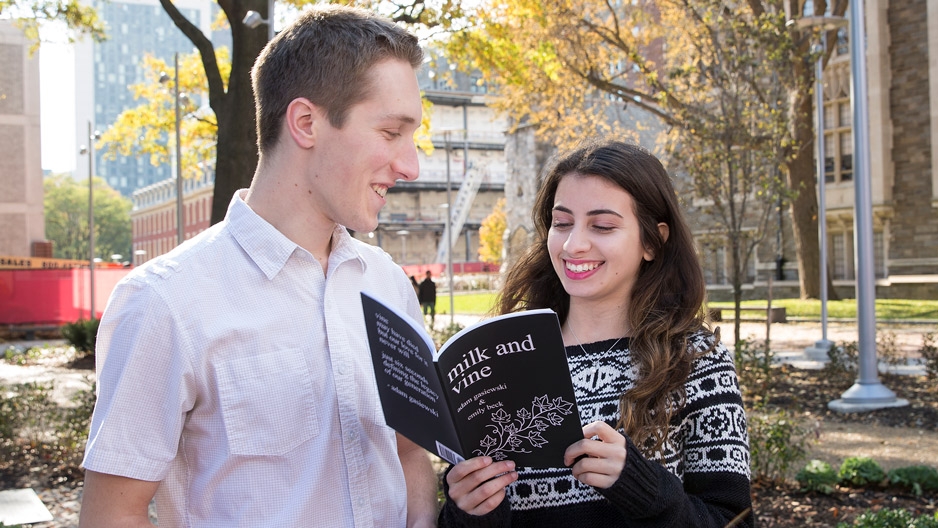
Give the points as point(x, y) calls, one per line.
point(790, 340)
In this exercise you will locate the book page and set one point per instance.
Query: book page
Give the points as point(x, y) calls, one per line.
point(412, 398)
point(510, 388)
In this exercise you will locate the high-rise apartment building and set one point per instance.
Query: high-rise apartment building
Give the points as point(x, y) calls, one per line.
point(104, 71)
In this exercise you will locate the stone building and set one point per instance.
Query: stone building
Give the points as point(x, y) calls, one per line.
point(22, 226)
point(902, 87)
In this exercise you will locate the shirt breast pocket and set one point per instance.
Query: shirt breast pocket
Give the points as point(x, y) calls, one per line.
point(267, 403)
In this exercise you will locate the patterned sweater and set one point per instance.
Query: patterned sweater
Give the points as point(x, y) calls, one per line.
point(699, 478)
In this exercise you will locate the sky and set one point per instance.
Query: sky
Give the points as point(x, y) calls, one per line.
point(57, 106)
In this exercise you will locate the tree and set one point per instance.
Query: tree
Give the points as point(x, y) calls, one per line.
point(65, 202)
point(29, 15)
point(491, 234)
point(596, 57)
point(230, 126)
point(147, 129)
point(233, 101)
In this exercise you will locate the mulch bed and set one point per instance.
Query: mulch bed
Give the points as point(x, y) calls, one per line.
point(809, 392)
point(785, 506)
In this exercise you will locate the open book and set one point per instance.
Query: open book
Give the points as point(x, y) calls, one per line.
point(499, 388)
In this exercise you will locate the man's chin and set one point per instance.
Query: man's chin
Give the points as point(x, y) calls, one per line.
point(363, 227)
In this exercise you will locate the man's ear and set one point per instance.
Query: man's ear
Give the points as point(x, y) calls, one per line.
point(664, 231)
point(300, 119)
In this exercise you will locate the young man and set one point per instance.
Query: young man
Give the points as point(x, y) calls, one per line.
point(235, 383)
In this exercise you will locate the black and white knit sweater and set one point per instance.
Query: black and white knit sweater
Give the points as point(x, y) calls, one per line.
point(700, 477)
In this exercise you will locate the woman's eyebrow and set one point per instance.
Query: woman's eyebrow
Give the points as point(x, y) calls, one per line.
point(594, 212)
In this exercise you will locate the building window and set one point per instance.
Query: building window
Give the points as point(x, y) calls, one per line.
point(879, 259)
point(841, 256)
point(838, 137)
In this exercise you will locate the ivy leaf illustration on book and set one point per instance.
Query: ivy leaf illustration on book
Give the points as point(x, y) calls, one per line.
point(523, 431)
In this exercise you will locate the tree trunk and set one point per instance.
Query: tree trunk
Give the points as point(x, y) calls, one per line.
point(801, 180)
point(236, 142)
point(236, 150)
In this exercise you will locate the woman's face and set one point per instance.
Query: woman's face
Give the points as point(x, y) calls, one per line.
point(594, 240)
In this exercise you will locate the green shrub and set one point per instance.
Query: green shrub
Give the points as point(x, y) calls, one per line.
point(860, 471)
point(776, 443)
point(754, 368)
point(34, 427)
point(843, 365)
point(82, 334)
point(890, 518)
point(818, 476)
point(887, 349)
point(18, 356)
point(29, 411)
point(929, 354)
point(915, 478)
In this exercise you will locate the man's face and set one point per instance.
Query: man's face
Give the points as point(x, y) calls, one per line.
point(358, 163)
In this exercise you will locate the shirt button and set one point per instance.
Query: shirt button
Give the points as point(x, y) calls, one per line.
point(343, 370)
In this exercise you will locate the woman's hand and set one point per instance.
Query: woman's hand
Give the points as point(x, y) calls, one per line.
point(478, 485)
point(599, 458)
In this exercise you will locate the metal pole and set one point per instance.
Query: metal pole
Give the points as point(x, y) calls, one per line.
point(270, 20)
point(824, 345)
point(867, 393)
point(180, 227)
point(449, 232)
point(91, 138)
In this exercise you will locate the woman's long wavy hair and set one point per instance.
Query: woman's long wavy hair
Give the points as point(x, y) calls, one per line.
point(667, 300)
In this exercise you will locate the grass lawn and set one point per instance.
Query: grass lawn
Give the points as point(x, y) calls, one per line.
point(894, 309)
point(475, 303)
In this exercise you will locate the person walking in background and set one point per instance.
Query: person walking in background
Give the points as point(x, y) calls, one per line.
point(234, 380)
point(664, 437)
point(415, 284)
point(426, 294)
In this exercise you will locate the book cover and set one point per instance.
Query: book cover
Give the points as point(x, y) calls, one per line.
point(500, 387)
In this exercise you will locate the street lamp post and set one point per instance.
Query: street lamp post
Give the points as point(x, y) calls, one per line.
point(180, 217)
point(89, 150)
point(403, 234)
point(449, 230)
point(252, 19)
point(822, 24)
point(867, 393)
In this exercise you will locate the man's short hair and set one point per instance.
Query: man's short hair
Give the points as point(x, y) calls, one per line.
point(325, 56)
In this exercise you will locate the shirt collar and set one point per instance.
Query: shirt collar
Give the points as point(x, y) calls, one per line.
point(269, 248)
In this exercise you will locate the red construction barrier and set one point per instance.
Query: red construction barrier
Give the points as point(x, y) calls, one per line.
point(54, 296)
point(420, 270)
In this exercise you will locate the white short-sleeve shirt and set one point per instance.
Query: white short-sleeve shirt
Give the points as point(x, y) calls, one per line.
point(237, 374)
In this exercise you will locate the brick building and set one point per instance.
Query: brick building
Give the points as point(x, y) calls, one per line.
point(22, 224)
point(154, 214)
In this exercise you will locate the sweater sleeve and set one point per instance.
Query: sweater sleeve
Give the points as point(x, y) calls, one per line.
point(713, 458)
point(451, 516)
point(648, 495)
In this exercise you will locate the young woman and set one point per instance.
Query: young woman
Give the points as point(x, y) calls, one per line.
point(665, 440)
